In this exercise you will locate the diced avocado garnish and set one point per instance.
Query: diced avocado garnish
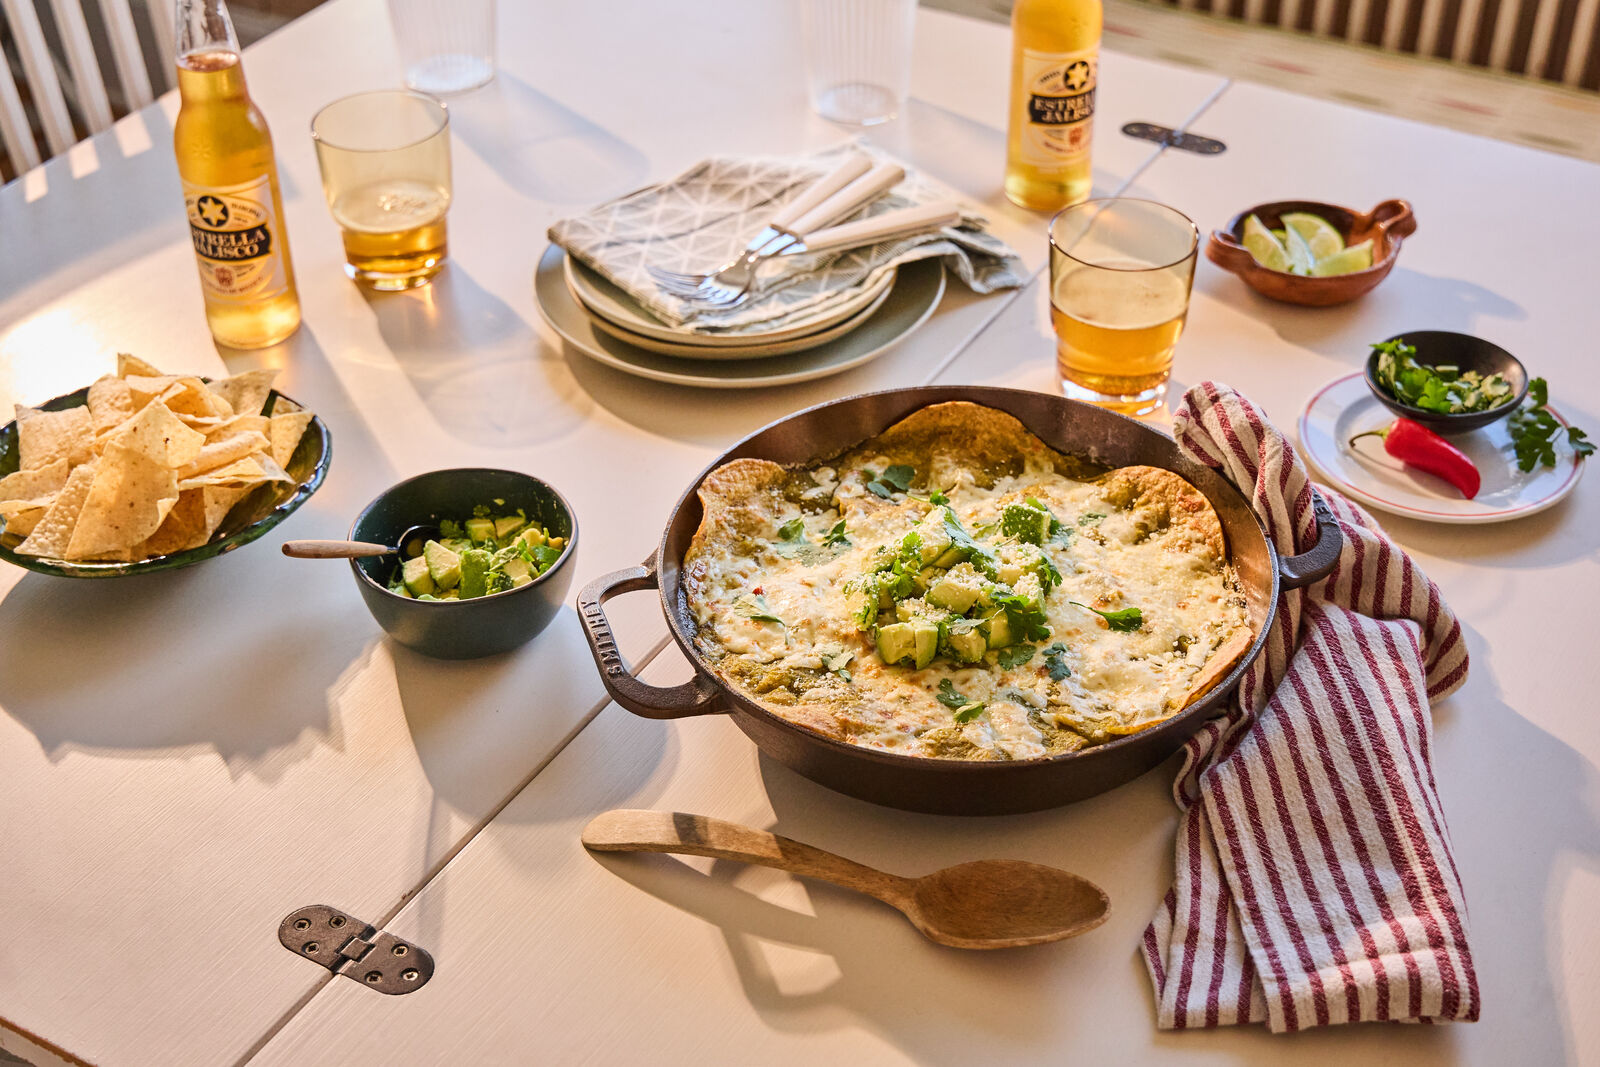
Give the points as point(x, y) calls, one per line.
point(1025, 523)
point(474, 573)
point(935, 537)
point(443, 564)
point(957, 590)
point(414, 573)
point(1008, 573)
point(533, 537)
point(968, 646)
point(925, 636)
point(480, 529)
point(506, 525)
point(517, 567)
point(999, 632)
point(896, 642)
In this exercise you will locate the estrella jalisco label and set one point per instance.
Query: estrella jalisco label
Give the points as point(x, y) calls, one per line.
point(1060, 104)
point(232, 229)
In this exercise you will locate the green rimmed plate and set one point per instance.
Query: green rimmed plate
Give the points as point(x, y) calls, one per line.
point(248, 520)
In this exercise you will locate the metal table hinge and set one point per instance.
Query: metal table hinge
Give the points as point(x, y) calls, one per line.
point(1162, 135)
point(346, 945)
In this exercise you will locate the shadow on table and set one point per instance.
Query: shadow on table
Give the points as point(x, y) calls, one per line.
point(1526, 831)
point(542, 148)
point(476, 364)
point(149, 664)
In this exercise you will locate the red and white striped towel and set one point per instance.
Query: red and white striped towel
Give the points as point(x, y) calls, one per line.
point(1315, 882)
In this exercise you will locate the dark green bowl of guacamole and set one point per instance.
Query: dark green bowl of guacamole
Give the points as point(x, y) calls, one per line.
point(482, 626)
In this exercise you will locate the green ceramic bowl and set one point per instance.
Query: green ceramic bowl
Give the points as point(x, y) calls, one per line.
point(249, 519)
point(463, 629)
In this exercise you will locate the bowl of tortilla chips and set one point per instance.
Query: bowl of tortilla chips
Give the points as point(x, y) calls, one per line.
point(144, 471)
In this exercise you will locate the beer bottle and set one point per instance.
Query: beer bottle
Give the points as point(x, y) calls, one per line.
point(1055, 46)
point(230, 186)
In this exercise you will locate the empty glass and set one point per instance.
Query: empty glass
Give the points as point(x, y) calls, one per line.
point(446, 46)
point(858, 57)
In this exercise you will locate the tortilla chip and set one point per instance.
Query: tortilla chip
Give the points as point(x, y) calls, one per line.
point(53, 533)
point(46, 436)
point(191, 396)
point(128, 365)
point(23, 523)
point(246, 393)
point(285, 431)
point(128, 501)
point(32, 484)
point(246, 470)
point(145, 389)
point(159, 435)
point(284, 406)
point(219, 500)
point(110, 403)
point(221, 451)
point(240, 424)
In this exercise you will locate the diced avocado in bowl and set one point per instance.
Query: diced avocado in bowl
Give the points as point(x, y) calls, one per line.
point(494, 574)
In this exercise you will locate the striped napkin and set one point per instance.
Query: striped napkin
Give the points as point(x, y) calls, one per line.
point(1315, 882)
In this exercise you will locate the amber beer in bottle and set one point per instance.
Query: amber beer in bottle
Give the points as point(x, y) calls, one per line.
point(1055, 64)
point(230, 186)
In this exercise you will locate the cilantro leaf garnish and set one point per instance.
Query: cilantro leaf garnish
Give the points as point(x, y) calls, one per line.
point(1049, 576)
point(1016, 655)
point(1055, 661)
point(835, 662)
point(836, 536)
point(1125, 621)
point(981, 556)
point(1090, 518)
point(1534, 429)
point(755, 607)
point(895, 479)
point(793, 530)
point(1025, 617)
point(937, 498)
point(965, 710)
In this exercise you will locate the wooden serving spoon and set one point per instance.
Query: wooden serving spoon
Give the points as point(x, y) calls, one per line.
point(983, 904)
point(355, 549)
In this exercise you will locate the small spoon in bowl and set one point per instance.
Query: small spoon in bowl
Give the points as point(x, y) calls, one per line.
point(356, 549)
point(982, 904)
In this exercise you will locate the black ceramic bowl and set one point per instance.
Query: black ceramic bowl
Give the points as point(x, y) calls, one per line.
point(1461, 350)
point(463, 629)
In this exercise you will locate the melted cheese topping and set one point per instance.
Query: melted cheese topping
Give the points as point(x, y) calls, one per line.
point(778, 606)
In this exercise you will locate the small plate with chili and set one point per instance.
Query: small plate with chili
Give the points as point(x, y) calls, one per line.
point(1366, 473)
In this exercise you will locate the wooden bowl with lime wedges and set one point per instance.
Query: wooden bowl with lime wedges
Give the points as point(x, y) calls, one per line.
point(1310, 253)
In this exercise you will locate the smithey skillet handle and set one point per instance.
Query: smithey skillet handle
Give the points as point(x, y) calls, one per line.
point(696, 697)
point(1316, 563)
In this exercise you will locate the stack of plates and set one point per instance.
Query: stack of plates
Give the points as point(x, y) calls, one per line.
point(607, 324)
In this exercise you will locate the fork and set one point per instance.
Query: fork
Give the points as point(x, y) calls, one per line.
point(842, 175)
point(730, 285)
point(900, 223)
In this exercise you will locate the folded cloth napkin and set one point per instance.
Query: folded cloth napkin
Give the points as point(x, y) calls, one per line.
point(703, 218)
point(1315, 882)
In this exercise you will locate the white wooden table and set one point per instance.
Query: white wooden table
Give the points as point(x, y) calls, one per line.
point(185, 758)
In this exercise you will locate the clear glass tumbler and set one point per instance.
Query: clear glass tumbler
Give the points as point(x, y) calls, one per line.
point(385, 160)
point(1120, 275)
point(446, 46)
point(858, 57)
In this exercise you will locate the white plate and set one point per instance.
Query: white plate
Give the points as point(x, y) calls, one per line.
point(917, 290)
point(1365, 472)
point(613, 304)
point(759, 348)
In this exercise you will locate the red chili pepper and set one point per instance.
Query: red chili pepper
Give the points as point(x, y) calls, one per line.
point(1417, 446)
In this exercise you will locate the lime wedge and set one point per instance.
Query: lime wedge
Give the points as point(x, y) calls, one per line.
point(1265, 247)
point(1318, 232)
point(1300, 258)
point(1354, 258)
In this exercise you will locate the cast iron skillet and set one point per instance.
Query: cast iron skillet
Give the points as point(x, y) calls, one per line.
point(952, 787)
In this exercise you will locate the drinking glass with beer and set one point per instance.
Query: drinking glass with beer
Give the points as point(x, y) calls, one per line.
point(1120, 274)
point(385, 159)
